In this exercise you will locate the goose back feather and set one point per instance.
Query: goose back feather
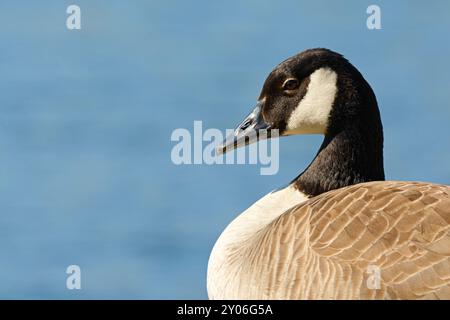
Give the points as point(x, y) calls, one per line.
point(323, 247)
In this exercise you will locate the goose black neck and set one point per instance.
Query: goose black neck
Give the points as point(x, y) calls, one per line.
point(352, 150)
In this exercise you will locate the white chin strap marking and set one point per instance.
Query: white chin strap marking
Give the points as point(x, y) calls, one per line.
point(311, 114)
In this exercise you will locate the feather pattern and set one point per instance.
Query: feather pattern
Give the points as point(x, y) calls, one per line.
point(324, 247)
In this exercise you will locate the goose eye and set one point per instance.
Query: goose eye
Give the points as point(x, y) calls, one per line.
point(290, 84)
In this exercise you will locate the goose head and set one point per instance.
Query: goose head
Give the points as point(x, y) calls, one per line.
point(318, 91)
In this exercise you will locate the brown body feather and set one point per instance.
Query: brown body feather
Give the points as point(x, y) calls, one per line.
point(324, 247)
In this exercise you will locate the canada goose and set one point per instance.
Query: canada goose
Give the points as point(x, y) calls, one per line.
point(320, 237)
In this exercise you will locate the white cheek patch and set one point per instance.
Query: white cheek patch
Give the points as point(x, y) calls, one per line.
point(312, 113)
